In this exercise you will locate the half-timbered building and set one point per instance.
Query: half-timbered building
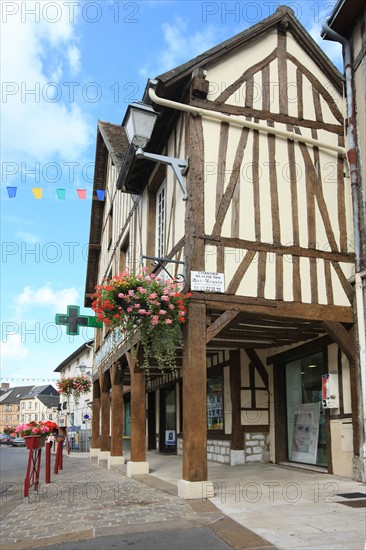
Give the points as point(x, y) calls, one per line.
point(265, 208)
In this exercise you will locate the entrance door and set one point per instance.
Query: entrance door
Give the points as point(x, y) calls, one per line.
point(168, 420)
point(151, 436)
point(306, 429)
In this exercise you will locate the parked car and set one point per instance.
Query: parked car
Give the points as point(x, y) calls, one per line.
point(17, 442)
point(5, 439)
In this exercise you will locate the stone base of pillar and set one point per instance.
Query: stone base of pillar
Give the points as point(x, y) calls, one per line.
point(237, 457)
point(94, 453)
point(195, 489)
point(137, 468)
point(103, 455)
point(115, 461)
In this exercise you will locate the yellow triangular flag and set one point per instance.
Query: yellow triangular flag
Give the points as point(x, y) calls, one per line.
point(37, 192)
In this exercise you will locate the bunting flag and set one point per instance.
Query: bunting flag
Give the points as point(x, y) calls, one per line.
point(81, 193)
point(12, 191)
point(61, 194)
point(37, 192)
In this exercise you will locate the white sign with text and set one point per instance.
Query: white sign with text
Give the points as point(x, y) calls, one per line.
point(207, 281)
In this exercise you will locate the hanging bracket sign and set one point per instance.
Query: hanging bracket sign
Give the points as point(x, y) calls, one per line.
point(207, 281)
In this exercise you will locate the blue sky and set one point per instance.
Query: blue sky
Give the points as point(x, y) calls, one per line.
point(64, 65)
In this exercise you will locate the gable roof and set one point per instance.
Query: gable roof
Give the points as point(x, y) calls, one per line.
point(15, 394)
point(49, 400)
point(37, 391)
point(73, 355)
point(283, 17)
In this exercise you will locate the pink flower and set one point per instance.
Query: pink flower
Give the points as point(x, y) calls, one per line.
point(171, 306)
point(142, 311)
point(162, 312)
point(165, 298)
point(153, 295)
point(155, 320)
point(129, 309)
point(168, 321)
point(36, 431)
point(141, 289)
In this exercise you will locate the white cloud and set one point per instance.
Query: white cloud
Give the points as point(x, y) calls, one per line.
point(38, 117)
point(27, 237)
point(181, 45)
point(13, 347)
point(46, 296)
point(73, 55)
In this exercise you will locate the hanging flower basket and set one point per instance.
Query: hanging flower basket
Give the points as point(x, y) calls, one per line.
point(34, 441)
point(74, 385)
point(145, 303)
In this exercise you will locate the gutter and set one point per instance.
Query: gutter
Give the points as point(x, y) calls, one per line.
point(356, 203)
point(239, 121)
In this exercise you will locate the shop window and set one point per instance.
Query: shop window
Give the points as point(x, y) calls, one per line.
point(306, 429)
point(215, 401)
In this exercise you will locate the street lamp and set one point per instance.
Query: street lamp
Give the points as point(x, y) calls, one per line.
point(83, 368)
point(139, 122)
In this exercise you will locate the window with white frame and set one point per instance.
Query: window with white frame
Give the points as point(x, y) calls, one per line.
point(160, 221)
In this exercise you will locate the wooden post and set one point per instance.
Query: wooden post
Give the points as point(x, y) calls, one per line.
point(237, 431)
point(48, 462)
point(138, 411)
point(105, 410)
point(117, 411)
point(194, 395)
point(95, 443)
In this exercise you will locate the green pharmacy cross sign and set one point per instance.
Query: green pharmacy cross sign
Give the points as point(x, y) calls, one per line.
point(73, 320)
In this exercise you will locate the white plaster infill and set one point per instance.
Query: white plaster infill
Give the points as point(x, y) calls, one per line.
point(137, 468)
point(195, 489)
point(103, 455)
point(94, 453)
point(115, 461)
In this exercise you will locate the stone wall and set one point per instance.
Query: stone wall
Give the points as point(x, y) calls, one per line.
point(256, 447)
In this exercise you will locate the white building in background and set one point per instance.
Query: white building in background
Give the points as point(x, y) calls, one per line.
point(75, 413)
point(39, 404)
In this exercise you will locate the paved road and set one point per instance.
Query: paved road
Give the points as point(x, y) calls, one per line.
point(105, 509)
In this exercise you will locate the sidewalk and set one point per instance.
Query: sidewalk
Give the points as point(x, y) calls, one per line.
point(255, 506)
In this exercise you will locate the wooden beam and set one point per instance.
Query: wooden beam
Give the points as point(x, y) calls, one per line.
point(237, 430)
point(294, 250)
point(117, 411)
point(105, 411)
point(194, 395)
point(219, 324)
point(275, 309)
point(95, 442)
point(342, 338)
point(138, 409)
point(258, 365)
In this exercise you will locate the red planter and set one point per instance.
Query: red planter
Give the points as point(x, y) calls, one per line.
point(34, 441)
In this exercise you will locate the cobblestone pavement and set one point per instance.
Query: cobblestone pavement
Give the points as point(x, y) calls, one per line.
point(86, 500)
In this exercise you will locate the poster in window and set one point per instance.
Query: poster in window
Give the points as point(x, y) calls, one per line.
point(305, 433)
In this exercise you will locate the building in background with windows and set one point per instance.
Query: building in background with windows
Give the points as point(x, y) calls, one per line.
point(39, 403)
point(271, 351)
point(10, 406)
point(74, 414)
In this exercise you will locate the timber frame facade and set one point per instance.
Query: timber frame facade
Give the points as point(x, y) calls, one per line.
point(274, 216)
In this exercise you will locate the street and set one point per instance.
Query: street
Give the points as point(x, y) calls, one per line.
point(88, 506)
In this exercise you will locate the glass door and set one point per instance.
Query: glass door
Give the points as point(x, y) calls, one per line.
point(167, 420)
point(306, 430)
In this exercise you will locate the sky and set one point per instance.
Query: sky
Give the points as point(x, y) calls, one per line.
point(64, 65)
